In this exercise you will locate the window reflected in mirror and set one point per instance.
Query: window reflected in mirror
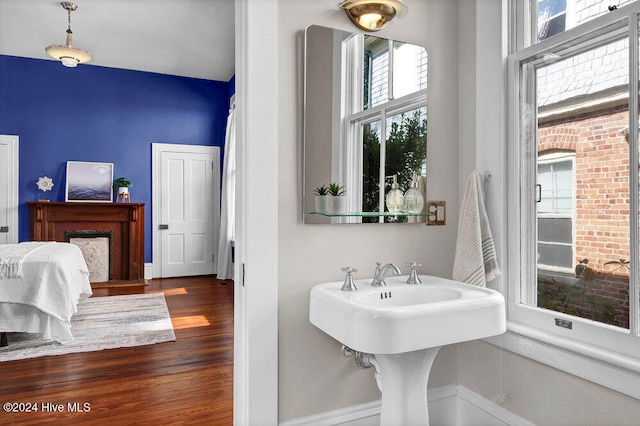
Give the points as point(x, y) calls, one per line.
point(365, 121)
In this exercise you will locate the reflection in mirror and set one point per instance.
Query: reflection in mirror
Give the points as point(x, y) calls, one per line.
point(365, 125)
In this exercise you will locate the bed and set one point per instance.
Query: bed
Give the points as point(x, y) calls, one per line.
point(41, 284)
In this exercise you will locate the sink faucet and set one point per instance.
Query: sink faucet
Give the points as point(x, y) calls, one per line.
point(413, 275)
point(381, 273)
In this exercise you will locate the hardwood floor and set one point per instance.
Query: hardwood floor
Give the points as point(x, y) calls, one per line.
point(189, 381)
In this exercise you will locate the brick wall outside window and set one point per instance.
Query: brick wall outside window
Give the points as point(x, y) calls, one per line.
point(602, 196)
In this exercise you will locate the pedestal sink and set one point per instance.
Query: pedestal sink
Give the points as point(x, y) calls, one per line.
point(404, 326)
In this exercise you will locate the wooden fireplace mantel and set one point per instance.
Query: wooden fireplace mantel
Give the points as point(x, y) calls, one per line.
point(49, 221)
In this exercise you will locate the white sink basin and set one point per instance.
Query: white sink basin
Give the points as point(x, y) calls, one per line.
point(403, 326)
point(400, 317)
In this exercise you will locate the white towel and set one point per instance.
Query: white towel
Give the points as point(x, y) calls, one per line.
point(475, 261)
point(12, 256)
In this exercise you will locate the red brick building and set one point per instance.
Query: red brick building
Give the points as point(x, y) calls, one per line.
point(597, 142)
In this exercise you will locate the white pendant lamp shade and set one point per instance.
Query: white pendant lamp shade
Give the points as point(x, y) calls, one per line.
point(67, 54)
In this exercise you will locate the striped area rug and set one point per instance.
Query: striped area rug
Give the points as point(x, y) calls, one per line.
point(102, 323)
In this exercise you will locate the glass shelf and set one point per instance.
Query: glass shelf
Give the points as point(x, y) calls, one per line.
point(371, 214)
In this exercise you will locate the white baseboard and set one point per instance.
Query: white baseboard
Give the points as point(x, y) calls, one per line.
point(475, 409)
point(148, 271)
point(448, 405)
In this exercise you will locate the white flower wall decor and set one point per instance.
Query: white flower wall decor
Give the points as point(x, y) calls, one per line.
point(45, 184)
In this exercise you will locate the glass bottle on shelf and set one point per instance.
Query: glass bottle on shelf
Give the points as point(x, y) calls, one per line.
point(395, 197)
point(413, 198)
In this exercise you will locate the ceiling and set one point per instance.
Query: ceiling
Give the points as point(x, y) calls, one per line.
point(191, 38)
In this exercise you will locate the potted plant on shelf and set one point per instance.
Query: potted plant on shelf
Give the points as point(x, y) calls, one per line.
point(322, 198)
point(337, 199)
point(121, 187)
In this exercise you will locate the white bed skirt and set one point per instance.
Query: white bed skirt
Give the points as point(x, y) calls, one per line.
point(55, 279)
point(27, 319)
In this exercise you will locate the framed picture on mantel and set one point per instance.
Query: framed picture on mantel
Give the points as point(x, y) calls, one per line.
point(89, 182)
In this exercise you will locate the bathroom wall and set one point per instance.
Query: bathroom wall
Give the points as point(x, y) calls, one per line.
point(313, 375)
point(537, 392)
point(466, 128)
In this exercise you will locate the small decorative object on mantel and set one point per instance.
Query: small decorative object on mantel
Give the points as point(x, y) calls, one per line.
point(44, 184)
point(121, 186)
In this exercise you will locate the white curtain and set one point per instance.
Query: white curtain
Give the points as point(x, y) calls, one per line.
point(228, 201)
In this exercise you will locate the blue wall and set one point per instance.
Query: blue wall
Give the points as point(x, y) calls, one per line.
point(93, 113)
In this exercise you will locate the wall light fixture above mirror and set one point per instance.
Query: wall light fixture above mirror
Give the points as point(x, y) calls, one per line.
point(373, 15)
point(365, 125)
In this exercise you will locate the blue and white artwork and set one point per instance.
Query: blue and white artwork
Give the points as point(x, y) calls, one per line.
point(87, 181)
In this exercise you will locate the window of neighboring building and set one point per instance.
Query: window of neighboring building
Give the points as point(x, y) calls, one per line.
point(555, 212)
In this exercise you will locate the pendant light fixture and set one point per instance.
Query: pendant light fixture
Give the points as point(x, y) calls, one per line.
point(373, 15)
point(67, 54)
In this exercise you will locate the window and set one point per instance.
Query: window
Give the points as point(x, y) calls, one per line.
point(386, 127)
point(555, 212)
point(404, 150)
point(575, 230)
point(552, 17)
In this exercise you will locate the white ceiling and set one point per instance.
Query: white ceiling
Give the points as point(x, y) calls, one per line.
point(192, 38)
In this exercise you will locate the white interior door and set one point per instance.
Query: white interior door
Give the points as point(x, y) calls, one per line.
point(8, 189)
point(189, 209)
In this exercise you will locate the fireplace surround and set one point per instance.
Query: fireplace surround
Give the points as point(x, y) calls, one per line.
point(123, 223)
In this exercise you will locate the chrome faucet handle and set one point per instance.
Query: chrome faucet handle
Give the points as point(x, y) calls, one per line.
point(349, 285)
point(413, 275)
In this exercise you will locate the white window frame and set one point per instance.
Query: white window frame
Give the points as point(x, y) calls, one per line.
point(604, 354)
point(351, 152)
point(379, 113)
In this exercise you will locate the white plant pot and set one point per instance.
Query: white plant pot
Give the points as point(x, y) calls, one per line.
point(123, 190)
point(322, 203)
point(337, 205)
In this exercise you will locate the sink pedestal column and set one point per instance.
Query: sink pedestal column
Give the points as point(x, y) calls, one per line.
point(404, 387)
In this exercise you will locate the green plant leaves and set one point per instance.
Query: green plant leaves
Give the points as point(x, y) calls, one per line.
point(336, 189)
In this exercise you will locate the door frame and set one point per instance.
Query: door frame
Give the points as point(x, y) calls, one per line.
point(13, 142)
point(255, 378)
point(156, 194)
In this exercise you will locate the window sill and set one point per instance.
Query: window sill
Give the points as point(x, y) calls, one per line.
point(599, 365)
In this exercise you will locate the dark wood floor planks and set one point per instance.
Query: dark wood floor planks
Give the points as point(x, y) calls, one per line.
point(188, 382)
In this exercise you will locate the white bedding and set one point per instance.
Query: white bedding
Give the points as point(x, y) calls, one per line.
point(54, 280)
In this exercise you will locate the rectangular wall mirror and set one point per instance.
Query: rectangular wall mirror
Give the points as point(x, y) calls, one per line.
point(365, 127)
